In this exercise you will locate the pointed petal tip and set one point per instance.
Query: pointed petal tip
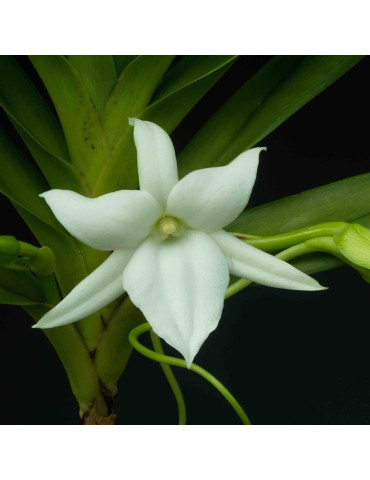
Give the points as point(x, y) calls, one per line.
point(43, 322)
point(38, 326)
point(51, 193)
point(188, 357)
point(311, 286)
point(131, 121)
point(188, 363)
point(260, 149)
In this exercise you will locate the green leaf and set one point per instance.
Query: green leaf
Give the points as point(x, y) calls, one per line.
point(98, 73)
point(114, 349)
point(121, 62)
point(78, 115)
point(316, 262)
point(58, 172)
point(19, 288)
point(279, 89)
point(177, 93)
point(132, 93)
point(183, 86)
point(129, 97)
point(346, 200)
point(27, 108)
point(73, 263)
point(38, 127)
point(188, 70)
point(74, 357)
point(364, 220)
point(21, 182)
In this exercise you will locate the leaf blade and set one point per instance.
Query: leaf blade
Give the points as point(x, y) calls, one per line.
point(22, 101)
point(78, 115)
point(98, 72)
point(121, 62)
point(278, 90)
point(346, 200)
point(20, 288)
point(184, 86)
point(21, 182)
point(129, 97)
point(180, 89)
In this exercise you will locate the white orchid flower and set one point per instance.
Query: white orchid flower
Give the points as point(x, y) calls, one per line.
point(170, 253)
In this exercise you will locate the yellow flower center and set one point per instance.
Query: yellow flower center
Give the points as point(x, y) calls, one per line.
point(169, 226)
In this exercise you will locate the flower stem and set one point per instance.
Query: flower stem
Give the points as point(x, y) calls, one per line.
point(288, 239)
point(177, 362)
point(171, 379)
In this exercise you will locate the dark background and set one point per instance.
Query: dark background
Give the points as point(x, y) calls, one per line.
point(288, 357)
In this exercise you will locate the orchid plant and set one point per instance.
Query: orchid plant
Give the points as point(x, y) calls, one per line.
point(115, 261)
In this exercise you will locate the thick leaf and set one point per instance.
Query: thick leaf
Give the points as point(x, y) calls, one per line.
point(58, 172)
point(129, 97)
point(114, 349)
point(183, 86)
point(71, 268)
point(180, 89)
point(278, 90)
point(21, 182)
point(19, 288)
point(316, 262)
point(27, 108)
point(75, 358)
point(81, 124)
point(98, 73)
point(132, 93)
point(346, 200)
point(188, 70)
point(38, 127)
point(364, 220)
point(121, 62)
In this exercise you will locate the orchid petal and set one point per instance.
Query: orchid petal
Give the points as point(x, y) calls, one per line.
point(156, 159)
point(211, 198)
point(96, 291)
point(248, 262)
point(116, 220)
point(179, 284)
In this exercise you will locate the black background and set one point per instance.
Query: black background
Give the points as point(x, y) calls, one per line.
point(288, 357)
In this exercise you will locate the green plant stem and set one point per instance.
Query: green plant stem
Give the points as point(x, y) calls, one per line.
point(177, 362)
point(289, 239)
point(175, 387)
